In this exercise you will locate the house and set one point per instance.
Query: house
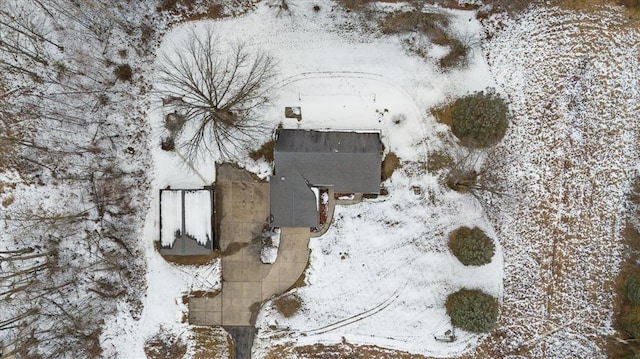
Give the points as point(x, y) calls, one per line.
point(186, 222)
point(305, 160)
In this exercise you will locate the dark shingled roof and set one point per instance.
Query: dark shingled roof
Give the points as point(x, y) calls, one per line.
point(293, 203)
point(348, 161)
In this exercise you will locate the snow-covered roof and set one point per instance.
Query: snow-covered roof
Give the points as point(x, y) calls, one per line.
point(348, 161)
point(186, 221)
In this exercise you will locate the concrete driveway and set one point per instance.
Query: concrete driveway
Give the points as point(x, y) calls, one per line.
point(242, 206)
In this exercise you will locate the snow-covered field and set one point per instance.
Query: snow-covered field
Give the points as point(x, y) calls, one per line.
point(569, 158)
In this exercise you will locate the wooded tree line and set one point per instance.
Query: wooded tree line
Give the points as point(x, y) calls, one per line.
point(73, 144)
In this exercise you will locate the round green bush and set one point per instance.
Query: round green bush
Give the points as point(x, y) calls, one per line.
point(480, 119)
point(472, 310)
point(471, 246)
point(631, 288)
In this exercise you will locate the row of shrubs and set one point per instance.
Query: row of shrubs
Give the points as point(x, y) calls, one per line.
point(472, 309)
point(478, 120)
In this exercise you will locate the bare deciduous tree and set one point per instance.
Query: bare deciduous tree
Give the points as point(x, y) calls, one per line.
point(216, 90)
point(476, 172)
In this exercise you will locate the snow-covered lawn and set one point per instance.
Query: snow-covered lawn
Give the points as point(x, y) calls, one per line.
point(381, 274)
point(383, 271)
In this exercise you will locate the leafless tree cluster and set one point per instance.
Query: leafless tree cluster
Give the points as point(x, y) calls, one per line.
point(216, 90)
point(474, 171)
point(74, 135)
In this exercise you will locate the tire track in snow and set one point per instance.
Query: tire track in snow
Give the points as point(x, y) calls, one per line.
point(364, 76)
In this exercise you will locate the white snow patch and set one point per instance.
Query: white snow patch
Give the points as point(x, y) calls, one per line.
point(197, 214)
point(316, 192)
point(171, 209)
point(270, 245)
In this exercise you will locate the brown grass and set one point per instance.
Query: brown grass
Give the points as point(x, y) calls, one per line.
point(632, 7)
point(338, 351)
point(357, 5)
point(287, 304)
point(7, 201)
point(195, 10)
point(457, 55)
point(616, 348)
point(443, 114)
point(210, 342)
point(265, 151)
point(390, 163)
point(431, 24)
point(462, 181)
point(354, 5)
point(299, 283)
point(631, 4)
point(165, 345)
point(438, 160)
point(214, 11)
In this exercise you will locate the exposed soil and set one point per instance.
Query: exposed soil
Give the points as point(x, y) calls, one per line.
point(192, 260)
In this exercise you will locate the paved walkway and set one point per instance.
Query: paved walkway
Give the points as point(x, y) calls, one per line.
point(242, 340)
point(242, 206)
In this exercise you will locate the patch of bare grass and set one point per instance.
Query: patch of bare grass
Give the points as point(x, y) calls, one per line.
point(457, 55)
point(7, 201)
point(211, 342)
point(288, 304)
point(511, 7)
point(432, 24)
point(631, 7)
point(462, 181)
point(435, 26)
point(300, 282)
point(390, 163)
point(342, 350)
point(165, 345)
point(443, 114)
point(265, 151)
point(354, 5)
point(439, 160)
point(627, 301)
point(192, 9)
point(631, 4)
